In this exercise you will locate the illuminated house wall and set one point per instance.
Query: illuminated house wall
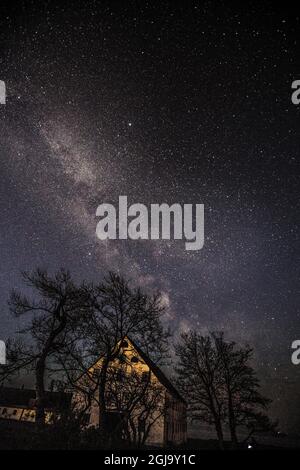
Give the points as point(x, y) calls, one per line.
point(170, 426)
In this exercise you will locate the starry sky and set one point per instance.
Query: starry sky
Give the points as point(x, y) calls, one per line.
point(187, 103)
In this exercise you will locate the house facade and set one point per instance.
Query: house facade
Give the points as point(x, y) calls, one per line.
point(139, 392)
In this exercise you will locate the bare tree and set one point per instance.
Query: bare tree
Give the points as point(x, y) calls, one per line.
point(52, 312)
point(220, 384)
point(115, 312)
point(199, 380)
point(120, 311)
point(137, 398)
point(246, 406)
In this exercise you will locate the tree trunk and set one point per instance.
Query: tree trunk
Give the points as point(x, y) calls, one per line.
point(232, 425)
point(40, 394)
point(232, 428)
point(40, 368)
point(219, 431)
point(217, 421)
point(103, 428)
point(234, 439)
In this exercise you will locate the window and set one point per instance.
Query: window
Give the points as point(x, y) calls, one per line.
point(122, 358)
point(145, 376)
point(134, 359)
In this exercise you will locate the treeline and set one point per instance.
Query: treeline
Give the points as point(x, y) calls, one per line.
point(71, 325)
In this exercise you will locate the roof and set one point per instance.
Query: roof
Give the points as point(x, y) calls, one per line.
point(155, 369)
point(158, 372)
point(11, 397)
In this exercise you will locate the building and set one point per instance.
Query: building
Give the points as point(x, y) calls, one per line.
point(137, 389)
point(18, 405)
point(163, 405)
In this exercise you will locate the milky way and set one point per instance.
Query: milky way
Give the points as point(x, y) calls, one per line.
point(187, 104)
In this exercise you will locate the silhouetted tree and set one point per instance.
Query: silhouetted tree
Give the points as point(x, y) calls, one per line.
point(53, 313)
point(137, 397)
point(120, 311)
point(199, 380)
point(220, 384)
point(245, 404)
point(115, 312)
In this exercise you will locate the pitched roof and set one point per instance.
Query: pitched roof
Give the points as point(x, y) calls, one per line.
point(155, 369)
point(158, 372)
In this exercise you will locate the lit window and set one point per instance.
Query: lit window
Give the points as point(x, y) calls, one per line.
point(122, 358)
point(145, 376)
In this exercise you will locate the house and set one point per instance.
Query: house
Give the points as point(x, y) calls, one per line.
point(160, 414)
point(18, 404)
point(139, 396)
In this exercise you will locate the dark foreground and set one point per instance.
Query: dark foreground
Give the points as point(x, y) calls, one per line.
point(25, 437)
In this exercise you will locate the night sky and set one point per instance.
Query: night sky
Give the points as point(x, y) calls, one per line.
point(162, 102)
